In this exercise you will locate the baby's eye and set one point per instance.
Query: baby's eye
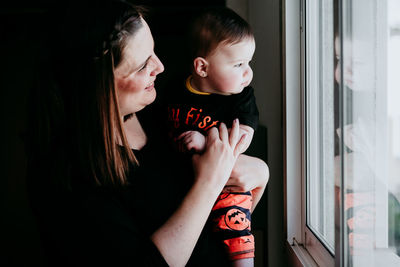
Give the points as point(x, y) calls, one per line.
point(238, 65)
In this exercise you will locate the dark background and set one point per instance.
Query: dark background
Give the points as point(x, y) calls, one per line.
point(23, 26)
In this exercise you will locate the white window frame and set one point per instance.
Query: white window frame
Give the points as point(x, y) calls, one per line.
point(304, 247)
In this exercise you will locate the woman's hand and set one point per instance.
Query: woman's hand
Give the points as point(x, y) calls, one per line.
point(248, 174)
point(177, 237)
point(222, 149)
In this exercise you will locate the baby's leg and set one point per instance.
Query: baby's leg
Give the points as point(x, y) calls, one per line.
point(248, 262)
point(232, 223)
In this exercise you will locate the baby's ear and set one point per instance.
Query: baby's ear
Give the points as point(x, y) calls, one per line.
point(200, 65)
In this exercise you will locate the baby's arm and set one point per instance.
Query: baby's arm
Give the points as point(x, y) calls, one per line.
point(191, 141)
point(195, 141)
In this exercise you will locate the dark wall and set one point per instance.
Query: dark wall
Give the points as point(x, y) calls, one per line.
point(23, 25)
point(19, 30)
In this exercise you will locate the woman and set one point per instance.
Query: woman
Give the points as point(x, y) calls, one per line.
point(100, 179)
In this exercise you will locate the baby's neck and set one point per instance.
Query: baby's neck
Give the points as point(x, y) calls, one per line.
point(201, 85)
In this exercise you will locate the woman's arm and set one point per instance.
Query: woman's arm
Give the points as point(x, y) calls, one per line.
point(249, 174)
point(177, 238)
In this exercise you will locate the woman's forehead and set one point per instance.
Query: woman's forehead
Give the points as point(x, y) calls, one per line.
point(137, 49)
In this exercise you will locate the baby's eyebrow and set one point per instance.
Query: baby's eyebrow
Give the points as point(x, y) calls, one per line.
point(241, 60)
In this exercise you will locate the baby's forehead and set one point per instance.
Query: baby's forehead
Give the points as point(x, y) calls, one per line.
point(236, 40)
point(243, 49)
point(247, 42)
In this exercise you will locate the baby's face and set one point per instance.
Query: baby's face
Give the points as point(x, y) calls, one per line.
point(229, 70)
point(358, 70)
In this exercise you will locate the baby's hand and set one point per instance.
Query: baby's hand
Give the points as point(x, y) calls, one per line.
point(191, 141)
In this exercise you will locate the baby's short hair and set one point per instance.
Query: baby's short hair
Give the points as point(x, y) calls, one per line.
point(214, 26)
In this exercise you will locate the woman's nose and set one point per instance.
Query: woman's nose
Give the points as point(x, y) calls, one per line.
point(158, 66)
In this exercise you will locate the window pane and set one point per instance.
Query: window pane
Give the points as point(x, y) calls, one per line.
point(319, 134)
point(370, 134)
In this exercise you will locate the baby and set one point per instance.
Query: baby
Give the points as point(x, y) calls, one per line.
point(222, 45)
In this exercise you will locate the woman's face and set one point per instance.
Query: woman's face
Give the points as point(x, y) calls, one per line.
point(137, 71)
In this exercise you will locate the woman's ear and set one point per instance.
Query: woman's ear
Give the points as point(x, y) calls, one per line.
point(200, 66)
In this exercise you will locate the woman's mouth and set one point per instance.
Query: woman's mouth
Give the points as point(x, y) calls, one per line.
point(150, 86)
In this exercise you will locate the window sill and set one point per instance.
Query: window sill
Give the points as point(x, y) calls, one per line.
point(298, 256)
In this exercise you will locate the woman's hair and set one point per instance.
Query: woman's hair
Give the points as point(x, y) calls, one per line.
point(214, 26)
point(78, 122)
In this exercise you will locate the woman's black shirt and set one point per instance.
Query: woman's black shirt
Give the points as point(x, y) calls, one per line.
point(111, 226)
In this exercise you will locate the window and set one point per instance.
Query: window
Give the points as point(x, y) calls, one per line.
point(319, 121)
point(343, 86)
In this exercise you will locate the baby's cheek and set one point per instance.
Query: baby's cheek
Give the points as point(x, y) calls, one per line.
point(230, 83)
point(337, 74)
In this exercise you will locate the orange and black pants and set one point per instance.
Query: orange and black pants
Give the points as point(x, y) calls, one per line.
point(231, 218)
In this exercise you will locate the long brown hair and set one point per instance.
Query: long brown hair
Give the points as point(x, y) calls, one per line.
point(112, 159)
point(78, 123)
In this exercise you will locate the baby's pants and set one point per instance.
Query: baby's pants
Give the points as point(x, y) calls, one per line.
point(231, 216)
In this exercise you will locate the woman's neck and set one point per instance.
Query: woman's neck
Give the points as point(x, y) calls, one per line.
point(134, 132)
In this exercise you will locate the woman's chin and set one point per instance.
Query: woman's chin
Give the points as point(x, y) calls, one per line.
point(152, 96)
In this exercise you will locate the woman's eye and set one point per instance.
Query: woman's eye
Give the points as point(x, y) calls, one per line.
point(238, 65)
point(144, 66)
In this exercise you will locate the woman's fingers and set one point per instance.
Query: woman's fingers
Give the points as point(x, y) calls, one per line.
point(230, 137)
point(234, 133)
point(239, 146)
point(223, 133)
point(237, 142)
point(213, 133)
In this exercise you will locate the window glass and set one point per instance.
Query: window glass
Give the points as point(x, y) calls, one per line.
point(367, 76)
point(320, 123)
point(352, 128)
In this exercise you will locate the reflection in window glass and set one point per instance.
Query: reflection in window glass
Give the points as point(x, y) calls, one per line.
point(393, 112)
point(352, 132)
point(369, 82)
